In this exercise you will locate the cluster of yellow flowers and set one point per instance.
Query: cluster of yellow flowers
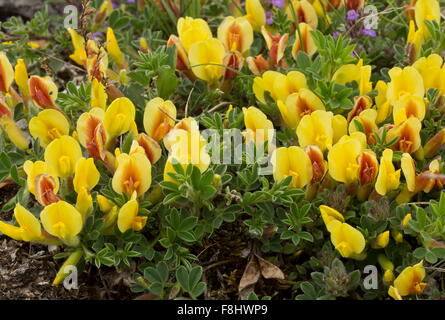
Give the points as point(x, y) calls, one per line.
point(96, 134)
point(347, 139)
point(210, 59)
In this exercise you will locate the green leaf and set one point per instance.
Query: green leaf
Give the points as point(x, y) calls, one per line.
point(183, 278)
point(195, 276)
point(167, 82)
point(306, 236)
point(430, 257)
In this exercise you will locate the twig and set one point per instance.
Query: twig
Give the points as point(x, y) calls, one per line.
point(166, 113)
point(187, 103)
point(217, 264)
point(219, 105)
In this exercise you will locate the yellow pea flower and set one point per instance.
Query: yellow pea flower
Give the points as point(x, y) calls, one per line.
point(429, 68)
point(368, 167)
point(182, 61)
point(397, 235)
point(316, 129)
point(381, 241)
point(61, 156)
point(388, 268)
point(151, 147)
point(10, 127)
point(259, 128)
point(342, 159)
point(408, 135)
point(21, 78)
point(406, 219)
point(143, 45)
point(308, 42)
point(361, 103)
point(43, 92)
point(29, 228)
point(79, 55)
point(321, 8)
point(388, 276)
point(426, 10)
point(409, 171)
point(329, 214)
point(388, 178)
point(86, 175)
point(133, 173)
point(367, 119)
point(284, 85)
point(128, 216)
point(187, 146)
point(6, 73)
point(265, 83)
point(97, 61)
point(409, 281)
point(298, 105)
point(206, 58)
point(404, 81)
point(257, 65)
point(347, 240)
point(98, 95)
point(355, 72)
point(84, 203)
point(234, 61)
point(48, 125)
point(91, 132)
point(304, 12)
point(114, 50)
point(339, 127)
point(292, 161)
point(119, 117)
point(236, 34)
point(255, 14)
point(319, 165)
point(192, 30)
point(383, 106)
point(415, 39)
point(276, 45)
point(39, 168)
point(105, 9)
point(188, 124)
point(62, 220)
point(159, 118)
point(409, 106)
point(105, 205)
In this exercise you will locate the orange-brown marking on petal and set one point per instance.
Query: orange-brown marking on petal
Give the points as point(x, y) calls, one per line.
point(39, 93)
point(45, 186)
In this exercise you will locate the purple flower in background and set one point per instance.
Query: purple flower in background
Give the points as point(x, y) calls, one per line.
point(269, 18)
point(115, 4)
point(352, 15)
point(278, 3)
point(131, 1)
point(369, 32)
point(97, 35)
point(336, 34)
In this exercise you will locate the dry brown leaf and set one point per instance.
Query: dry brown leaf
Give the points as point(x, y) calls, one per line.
point(251, 274)
point(269, 270)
